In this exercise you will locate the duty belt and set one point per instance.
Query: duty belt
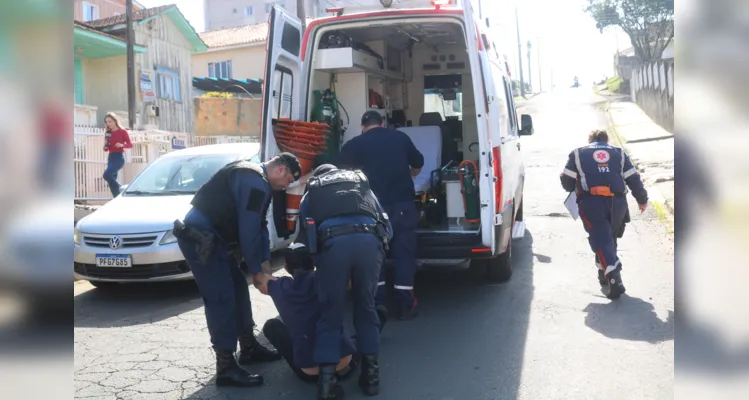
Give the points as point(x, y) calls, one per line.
point(604, 191)
point(325, 234)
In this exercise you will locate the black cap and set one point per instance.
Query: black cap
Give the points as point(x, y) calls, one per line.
point(371, 118)
point(324, 169)
point(297, 257)
point(292, 163)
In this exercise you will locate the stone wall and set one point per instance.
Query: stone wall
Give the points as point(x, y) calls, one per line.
point(652, 88)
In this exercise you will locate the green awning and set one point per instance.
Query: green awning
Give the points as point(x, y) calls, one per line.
point(91, 44)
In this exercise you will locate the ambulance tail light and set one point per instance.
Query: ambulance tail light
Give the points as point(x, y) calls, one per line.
point(441, 3)
point(497, 161)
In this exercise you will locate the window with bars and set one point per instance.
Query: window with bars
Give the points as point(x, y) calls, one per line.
point(221, 70)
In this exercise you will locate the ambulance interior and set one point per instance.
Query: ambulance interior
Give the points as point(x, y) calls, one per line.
point(417, 75)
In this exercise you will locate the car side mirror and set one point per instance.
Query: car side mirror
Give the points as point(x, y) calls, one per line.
point(526, 124)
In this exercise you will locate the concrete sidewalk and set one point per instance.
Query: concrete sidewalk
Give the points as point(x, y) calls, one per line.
point(651, 149)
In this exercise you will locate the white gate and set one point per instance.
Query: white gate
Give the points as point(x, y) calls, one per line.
point(90, 160)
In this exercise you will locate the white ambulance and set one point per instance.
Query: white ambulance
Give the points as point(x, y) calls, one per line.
point(431, 68)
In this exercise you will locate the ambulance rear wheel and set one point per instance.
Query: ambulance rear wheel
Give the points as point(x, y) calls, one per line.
point(499, 270)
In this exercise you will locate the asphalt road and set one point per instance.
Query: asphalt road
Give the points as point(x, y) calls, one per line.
point(547, 334)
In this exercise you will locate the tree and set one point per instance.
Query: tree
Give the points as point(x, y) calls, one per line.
point(648, 23)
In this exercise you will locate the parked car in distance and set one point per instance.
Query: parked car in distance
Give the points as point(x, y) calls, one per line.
point(130, 239)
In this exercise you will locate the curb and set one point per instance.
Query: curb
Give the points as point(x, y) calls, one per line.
point(663, 207)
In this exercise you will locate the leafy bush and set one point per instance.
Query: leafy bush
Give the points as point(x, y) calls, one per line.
point(613, 84)
point(219, 95)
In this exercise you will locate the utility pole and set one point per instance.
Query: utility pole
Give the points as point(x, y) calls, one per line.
point(130, 63)
point(520, 54)
point(540, 71)
point(301, 13)
point(530, 75)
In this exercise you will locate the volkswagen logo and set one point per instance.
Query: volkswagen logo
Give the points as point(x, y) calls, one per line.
point(115, 242)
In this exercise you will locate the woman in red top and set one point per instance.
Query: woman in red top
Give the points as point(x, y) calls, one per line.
point(116, 140)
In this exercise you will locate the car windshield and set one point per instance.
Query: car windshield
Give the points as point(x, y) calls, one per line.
point(179, 175)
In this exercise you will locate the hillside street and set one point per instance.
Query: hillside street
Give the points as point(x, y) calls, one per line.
point(549, 333)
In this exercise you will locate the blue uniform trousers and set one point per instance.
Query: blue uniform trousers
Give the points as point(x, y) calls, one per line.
point(222, 284)
point(602, 218)
point(357, 257)
point(405, 220)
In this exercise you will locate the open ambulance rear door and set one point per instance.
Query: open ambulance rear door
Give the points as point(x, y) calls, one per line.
point(282, 98)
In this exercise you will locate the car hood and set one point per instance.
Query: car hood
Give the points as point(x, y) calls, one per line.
point(136, 214)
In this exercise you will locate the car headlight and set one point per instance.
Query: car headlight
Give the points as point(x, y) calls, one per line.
point(77, 237)
point(168, 238)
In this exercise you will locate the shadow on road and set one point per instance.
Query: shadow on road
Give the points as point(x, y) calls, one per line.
point(467, 343)
point(629, 318)
point(134, 304)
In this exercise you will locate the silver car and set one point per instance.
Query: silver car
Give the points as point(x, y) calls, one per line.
point(130, 238)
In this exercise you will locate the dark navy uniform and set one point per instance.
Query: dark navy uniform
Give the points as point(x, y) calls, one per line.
point(344, 226)
point(299, 311)
point(386, 157)
point(227, 224)
point(600, 175)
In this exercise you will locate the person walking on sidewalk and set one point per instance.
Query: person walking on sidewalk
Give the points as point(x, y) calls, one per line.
point(600, 174)
point(116, 140)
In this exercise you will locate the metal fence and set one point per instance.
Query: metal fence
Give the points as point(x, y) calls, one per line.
point(90, 160)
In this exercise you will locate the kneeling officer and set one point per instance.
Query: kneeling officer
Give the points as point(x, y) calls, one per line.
point(227, 228)
point(347, 231)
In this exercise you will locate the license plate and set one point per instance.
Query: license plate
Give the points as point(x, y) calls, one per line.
point(113, 260)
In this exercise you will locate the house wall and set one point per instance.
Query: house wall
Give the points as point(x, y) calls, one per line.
point(232, 117)
point(247, 62)
point(219, 14)
point(105, 85)
point(107, 8)
point(167, 47)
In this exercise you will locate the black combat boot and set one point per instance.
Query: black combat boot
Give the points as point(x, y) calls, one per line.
point(369, 380)
point(228, 372)
point(602, 279)
point(616, 286)
point(408, 313)
point(327, 384)
point(250, 350)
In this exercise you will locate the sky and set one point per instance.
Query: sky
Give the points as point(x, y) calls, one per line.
point(565, 39)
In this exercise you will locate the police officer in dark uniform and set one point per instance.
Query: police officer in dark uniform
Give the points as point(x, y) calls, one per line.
point(294, 332)
point(345, 228)
point(224, 233)
point(390, 160)
point(600, 174)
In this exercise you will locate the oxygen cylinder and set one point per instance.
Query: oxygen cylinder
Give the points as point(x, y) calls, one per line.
point(329, 114)
point(469, 172)
point(317, 113)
